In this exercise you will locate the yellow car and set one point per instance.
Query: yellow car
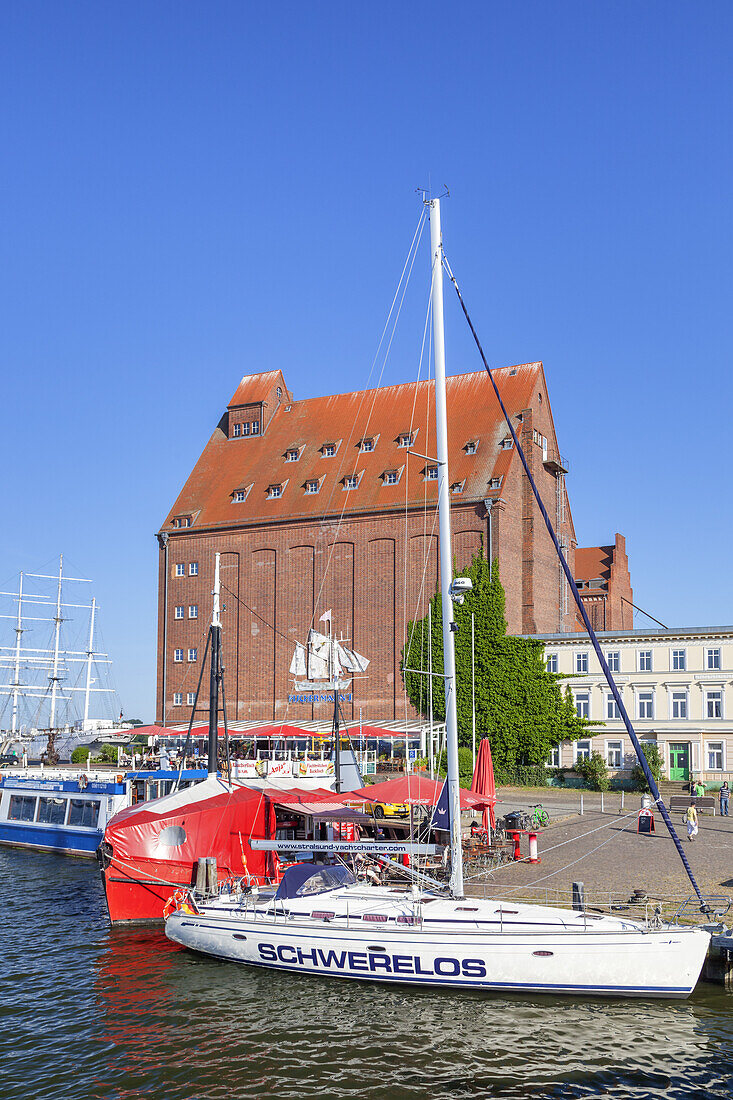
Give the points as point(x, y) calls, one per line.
point(386, 809)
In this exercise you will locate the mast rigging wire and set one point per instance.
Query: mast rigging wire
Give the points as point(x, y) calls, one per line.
point(581, 608)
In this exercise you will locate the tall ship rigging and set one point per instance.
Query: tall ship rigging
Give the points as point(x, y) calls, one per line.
point(54, 681)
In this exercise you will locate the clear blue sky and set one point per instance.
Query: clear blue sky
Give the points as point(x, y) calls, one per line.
point(193, 192)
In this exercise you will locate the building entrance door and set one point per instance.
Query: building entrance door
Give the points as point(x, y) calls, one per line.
point(679, 761)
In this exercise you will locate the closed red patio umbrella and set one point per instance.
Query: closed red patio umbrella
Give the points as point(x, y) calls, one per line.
point(483, 781)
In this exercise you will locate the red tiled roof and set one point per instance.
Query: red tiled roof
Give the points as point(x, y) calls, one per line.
point(592, 562)
point(259, 461)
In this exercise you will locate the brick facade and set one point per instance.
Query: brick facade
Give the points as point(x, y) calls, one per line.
point(369, 554)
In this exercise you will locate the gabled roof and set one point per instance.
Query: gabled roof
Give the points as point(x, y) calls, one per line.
point(258, 387)
point(473, 414)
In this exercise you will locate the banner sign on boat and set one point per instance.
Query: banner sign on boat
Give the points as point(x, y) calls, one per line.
point(355, 846)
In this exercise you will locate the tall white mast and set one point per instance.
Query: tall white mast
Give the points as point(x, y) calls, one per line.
point(16, 669)
point(90, 654)
point(446, 556)
point(56, 644)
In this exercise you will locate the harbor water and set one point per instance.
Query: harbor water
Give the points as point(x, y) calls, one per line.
point(89, 1012)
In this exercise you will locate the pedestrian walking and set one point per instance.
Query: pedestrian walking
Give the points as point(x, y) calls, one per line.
point(691, 819)
point(724, 799)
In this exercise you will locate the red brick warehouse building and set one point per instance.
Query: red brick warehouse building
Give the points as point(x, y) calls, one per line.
point(317, 504)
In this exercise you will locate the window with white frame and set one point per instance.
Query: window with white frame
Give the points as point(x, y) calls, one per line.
point(239, 496)
point(245, 427)
point(193, 569)
point(612, 710)
point(279, 393)
point(328, 450)
point(237, 430)
point(581, 662)
point(614, 753)
point(190, 698)
point(495, 483)
point(351, 481)
point(582, 704)
point(193, 611)
point(431, 473)
point(177, 698)
point(391, 477)
point(471, 447)
point(311, 486)
point(178, 655)
point(180, 569)
point(582, 750)
point(292, 455)
point(714, 703)
point(715, 756)
point(366, 445)
point(507, 443)
point(645, 660)
point(274, 491)
point(712, 659)
point(179, 612)
point(405, 439)
point(613, 660)
point(193, 654)
point(255, 427)
point(552, 662)
point(679, 660)
point(679, 704)
point(457, 486)
point(646, 704)
point(553, 760)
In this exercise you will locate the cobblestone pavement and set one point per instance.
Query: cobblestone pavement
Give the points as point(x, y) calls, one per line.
point(604, 851)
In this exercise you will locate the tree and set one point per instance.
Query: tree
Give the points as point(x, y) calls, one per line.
point(520, 706)
point(594, 771)
point(655, 760)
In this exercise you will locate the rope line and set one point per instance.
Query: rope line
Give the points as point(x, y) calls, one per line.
point(581, 608)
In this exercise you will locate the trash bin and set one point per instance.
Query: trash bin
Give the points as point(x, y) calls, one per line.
point(646, 802)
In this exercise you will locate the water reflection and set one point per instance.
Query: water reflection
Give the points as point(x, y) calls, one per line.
point(90, 1012)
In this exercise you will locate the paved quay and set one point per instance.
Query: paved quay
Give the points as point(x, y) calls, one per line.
point(604, 851)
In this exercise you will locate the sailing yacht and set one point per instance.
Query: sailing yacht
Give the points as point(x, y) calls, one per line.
point(322, 920)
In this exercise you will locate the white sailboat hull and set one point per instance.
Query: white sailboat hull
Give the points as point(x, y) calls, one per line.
point(613, 959)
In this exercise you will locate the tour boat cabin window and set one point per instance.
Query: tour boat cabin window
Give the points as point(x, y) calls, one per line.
point(22, 807)
point(51, 811)
point(84, 812)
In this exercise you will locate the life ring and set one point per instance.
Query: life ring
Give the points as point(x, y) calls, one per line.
point(83, 782)
point(174, 903)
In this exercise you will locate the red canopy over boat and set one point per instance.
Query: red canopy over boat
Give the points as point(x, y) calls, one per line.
point(415, 790)
point(152, 848)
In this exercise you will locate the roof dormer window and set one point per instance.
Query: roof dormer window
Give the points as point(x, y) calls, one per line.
point(274, 491)
point(471, 447)
point(495, 483)
point(240, 495)
point(391, 477)
point(507, 444)
point(367, 444)
point(236, 430)
point(328, 450)
point(431, 473)
point(457, 486)
point(255, 427)
point(351, 481)
point(183, 521)
point(406, 439)
point(312, 486)
point(292, 455)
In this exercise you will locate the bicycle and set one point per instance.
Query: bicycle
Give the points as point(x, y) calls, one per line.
point(540, 818)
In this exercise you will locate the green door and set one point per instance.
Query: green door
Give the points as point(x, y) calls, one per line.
point(679, 761)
